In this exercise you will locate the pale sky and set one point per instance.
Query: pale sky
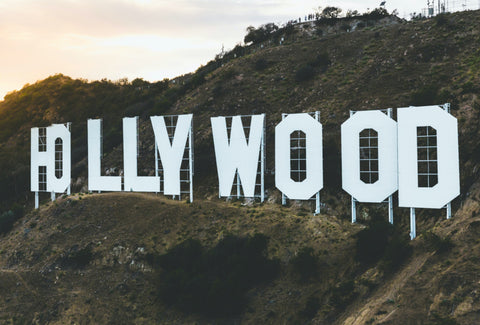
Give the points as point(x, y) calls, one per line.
point(149, 39)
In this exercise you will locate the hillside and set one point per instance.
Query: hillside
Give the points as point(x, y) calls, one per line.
point(97, 258)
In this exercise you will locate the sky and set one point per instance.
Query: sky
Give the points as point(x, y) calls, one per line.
point(149, 39)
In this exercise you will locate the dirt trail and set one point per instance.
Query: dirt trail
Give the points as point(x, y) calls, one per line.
point(359, 314)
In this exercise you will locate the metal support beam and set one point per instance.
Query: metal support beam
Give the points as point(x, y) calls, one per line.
point(390, 209)
point(317, 203)
point(449, 210)
point(354, 210)
point(190, 160)
point(317, 198)
point(390, 198)
point(238, 185)
point(156, 162)
point(262, 164)
point(52, 195)
point(37, 200)
point(413, 226)
point(284, 199)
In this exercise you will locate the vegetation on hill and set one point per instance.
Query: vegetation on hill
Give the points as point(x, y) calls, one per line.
point(91, 258)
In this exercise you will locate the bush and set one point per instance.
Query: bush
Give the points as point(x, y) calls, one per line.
point(381, 242)
point(311, 308)
point(322, 61)
point(305, 264)
point(376, 13)
point(261, 64)
point(345, 27)
point(441, 19)
point(396, 252)
point(77, 258)
point(371, 242)
point(305, 73)
point(425, 96)
point(7, 219)
point(214, 281)
point(437, 243)
point(260, 34)
point(330, 13)
point(343, 294)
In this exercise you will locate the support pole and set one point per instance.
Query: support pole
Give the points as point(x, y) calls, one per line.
point(354, 210)
point(413, 227)
point(52, 196)
point(238, 186)
point(37, 201)
point(156, 162)
point(262, 164)
point(390, 198)
point(449, 210)
point(284, 197)
point(190, 160)
point(317, 200)
point(317, 210)
point(390, 209)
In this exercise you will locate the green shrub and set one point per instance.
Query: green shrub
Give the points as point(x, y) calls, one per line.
point(437, 243)
point(425, 96)
point(441, 19)
point(345, 27)
point(371, 242)
point(469, 87)
point(260, 34)
point(261, 64)
point(214, 281)
point(311, 308)
point(77, 258)
point(305, 264)
point(343, 294)
point(306, 72)
point(396, 252)
point(322, 61)
point(7, 219)
point(381, 242)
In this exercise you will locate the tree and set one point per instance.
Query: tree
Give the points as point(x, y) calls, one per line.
point(352, 13)
point(331, 12)
point(260, 34)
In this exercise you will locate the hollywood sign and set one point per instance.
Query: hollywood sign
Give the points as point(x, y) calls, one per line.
point(416, 156)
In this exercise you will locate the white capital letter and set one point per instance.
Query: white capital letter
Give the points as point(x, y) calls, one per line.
point(313, 182)
point(448, 185)
point(48, 158)
point(171, 154)
point(133, 182)
point(96, 182)
point(386, 145)
point(236, 153)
